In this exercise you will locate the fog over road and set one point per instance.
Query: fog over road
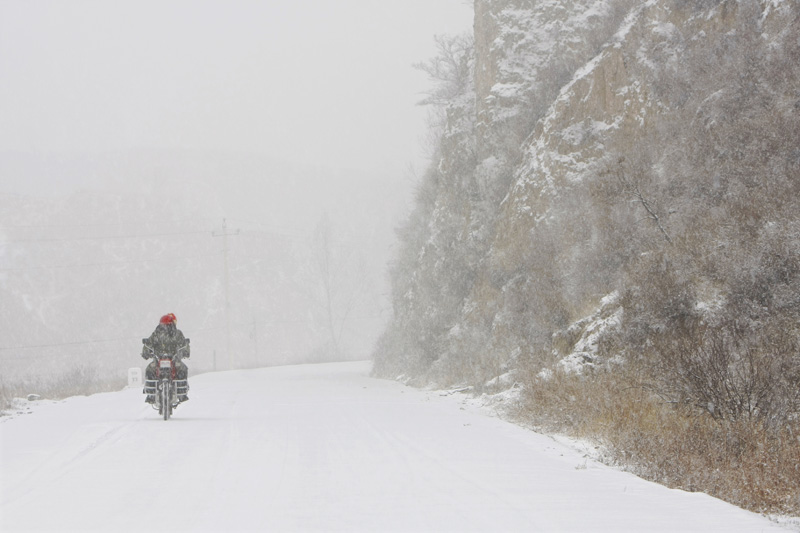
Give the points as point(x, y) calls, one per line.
point(317, 448)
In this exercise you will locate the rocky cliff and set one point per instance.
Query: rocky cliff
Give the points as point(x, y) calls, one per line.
point(613, 171)
point(608, 235)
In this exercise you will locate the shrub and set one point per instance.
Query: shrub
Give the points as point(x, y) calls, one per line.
point(733, 373)
point(746, 461)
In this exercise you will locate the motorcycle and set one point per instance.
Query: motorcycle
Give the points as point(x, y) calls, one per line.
point(166, 388)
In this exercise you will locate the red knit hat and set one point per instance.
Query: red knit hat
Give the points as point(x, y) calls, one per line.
point(168, 319)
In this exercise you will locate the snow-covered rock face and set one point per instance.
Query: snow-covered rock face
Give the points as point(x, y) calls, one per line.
point(620, 93)
point(548, 168)
point(613, 99)
point(525, 52)
point(525, 48)
point(581, 340)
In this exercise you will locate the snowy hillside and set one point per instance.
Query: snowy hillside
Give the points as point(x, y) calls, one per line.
point(318, 448)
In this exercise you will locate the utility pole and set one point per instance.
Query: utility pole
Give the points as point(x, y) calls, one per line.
point(255, 341)
point(224, 234)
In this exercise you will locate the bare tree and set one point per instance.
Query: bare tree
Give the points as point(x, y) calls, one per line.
point(450, 69)
point(632, 186)
point(340, 278)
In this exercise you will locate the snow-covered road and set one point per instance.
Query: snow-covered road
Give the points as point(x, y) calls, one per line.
point(318, 447)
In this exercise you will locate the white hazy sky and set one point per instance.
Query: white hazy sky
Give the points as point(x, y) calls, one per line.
point(326, 82)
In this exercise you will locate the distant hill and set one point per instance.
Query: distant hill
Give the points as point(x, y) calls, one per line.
point(95, 248)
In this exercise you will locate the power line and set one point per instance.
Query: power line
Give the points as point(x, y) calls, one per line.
point(272, 229)
point(272, 235)
point(104, 237)
point(131, 339)
point(107, 263)
point(143, 222)
point(148, 222)
point(58, 345)
point(82, 343)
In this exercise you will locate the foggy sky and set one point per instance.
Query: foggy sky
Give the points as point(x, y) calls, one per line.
point(310, 81)
point(275, 114)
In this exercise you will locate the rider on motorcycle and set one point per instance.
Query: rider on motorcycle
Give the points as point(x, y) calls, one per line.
point(166, 338)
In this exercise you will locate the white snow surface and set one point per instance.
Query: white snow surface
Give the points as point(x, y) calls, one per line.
point(318, 448)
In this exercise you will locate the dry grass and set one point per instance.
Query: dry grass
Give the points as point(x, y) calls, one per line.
point(78, 381)
point(742, 462)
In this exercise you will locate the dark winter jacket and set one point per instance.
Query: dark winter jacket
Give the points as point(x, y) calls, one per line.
point(166, 339)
